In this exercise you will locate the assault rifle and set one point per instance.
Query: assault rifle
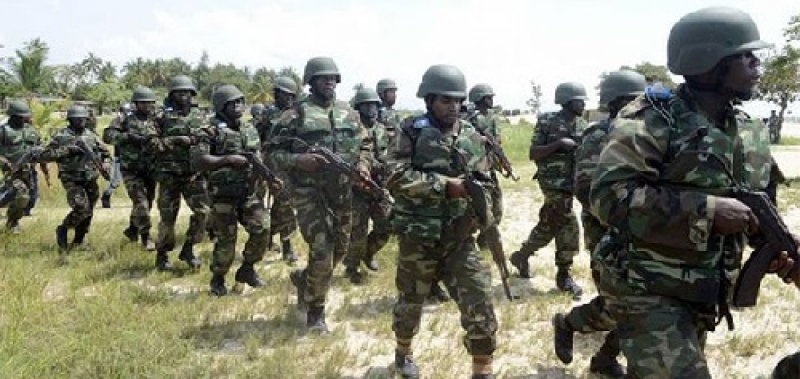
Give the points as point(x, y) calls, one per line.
point(89, 154)
point(264, 172)
point(499, 156)
point(777, 239)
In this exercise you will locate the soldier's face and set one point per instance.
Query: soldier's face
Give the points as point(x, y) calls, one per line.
point(368, 111)
point(283, 99)
point(389, 97)
point(17, 121)
point(181, 96)
point(576, 106)
point(743, 74)
point(145, 107)
point(488, 101)
point(234, 109)
point(324, 85)
point(446, 109)
point(77, 123)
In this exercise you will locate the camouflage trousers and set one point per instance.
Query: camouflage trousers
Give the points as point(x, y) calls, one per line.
point(661, 337)
point(556, 220)
point(324, 217)
point(140, 188)
point(195, 193)
point(593, 229)
point(20, 190)
point(81, 197)
point(226, 213)
point(497, 213)
point(457, 262)
point(281, 215)
point(365, 243)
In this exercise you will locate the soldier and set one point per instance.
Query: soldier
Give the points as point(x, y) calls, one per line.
point(617, 90)
point(553, 148)
point(116, 174)
point(321, 197)
point(18, 138)
point(774, 123)
point(78, 173)
point(663, 185)
point(256, 113)
point(232, 188)
point(364, 244)
point(281, 214)
point(131, 137)
point(435, 223)
point(387, 91)
point(176, 175)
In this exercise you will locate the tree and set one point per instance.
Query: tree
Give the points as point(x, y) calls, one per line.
point(27, 71)
point(535, 102)
point(108, 94)
point(780, 83)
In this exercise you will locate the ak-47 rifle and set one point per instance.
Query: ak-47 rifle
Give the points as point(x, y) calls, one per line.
point(263, 171)
point(89, 154)
point(495, 150)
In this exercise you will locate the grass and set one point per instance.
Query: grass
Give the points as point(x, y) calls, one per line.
point(108, 314)
point(789, 141)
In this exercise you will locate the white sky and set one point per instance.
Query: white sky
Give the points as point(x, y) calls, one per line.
point(505, 43)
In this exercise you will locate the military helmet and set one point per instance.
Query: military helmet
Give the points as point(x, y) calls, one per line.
point(478, 91)
point(143, 94)
point(566, 92)
point(365, 95)
point(699, 40)
point(18, 108)
point(621, 83)
point(321, 66)
point(77, 111)
point(285, 84)
point(256, 109)
point(385, 84)
point(443, 79)
point(179, 82)
point(125, 107)
point(223, 94)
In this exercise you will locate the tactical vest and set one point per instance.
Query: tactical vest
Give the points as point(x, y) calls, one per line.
point(14, 143)
point(135, 156)
point(76, 167)
point(227, 141)
point(177, 160)
point(556, 171)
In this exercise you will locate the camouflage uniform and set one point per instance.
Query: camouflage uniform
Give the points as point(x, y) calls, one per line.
point(234, 197)
point(78, 176)
point(282, 218)
point(14, 144)
point(488, 123)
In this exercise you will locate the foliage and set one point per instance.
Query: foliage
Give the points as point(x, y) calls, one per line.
point(27, 71)
point(535, 102)
point(780, 83)
point(44, 117)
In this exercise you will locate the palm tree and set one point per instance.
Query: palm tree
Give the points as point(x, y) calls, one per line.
point(27, 70)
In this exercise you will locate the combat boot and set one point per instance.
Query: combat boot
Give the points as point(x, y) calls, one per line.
point(13, 228)
point(147, 244)
point(246, 274)
point(287, 252)
point(105, 200)
point(162, 261)
point(62, 238)
point(131, 232)
point(565, 283)
point(438, 294)
point(405, 365)
point(604, 362)
point(354, 275)
point(370, 261)
point(562, 338)
point(217, 285)
point(315, 320)
point(482, 367)
point(187, 255)
point(298, 279)
point(520, 261)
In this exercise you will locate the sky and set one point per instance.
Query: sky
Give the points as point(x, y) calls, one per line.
point(505, 43)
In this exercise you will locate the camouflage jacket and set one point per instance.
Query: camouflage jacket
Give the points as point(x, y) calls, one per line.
point(171, 156)
point(389, 116)
point(421, 161)
point(557, 170)
point(487, 123)
point(593, 140)
point(75, 167)
point(337, 127)
point(382, 137)
point(134, 156)
point(15, 143)
point(219, 139)
point(657, 183)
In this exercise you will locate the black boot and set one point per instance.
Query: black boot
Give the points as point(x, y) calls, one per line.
point(438, 294)
point(217, 285)
point(604, 362)
point(298, 279)
point(131, 232)
point(187, 255)
point(565, 283)
point(520, 261)
point(354, 275)
point(246, 274)
point(370, 261)
point(211, 234)
point(562, 337)
point(315, 320)
point(287, 252)
point(162, 261)
point(406, 366)
point(62, 238)
point(106, 200)
point(147, 244)
point(78, 241)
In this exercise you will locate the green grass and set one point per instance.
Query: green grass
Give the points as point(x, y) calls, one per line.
point(108, 314)
point(789, 141)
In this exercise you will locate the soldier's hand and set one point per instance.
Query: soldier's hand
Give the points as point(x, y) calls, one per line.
point(456, 188)
point(567, 144)
point(310, 162)
point(785, 268)
point(733, 216)
point(236, 161)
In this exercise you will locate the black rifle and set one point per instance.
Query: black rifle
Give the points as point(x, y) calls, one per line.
point(498, 155)
point(264, 172)
point(89, 154)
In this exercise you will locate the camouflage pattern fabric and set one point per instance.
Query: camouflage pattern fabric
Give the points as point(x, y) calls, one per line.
point(389, 117)
point(557, 170)
point(322, 200)
point(81, 197)
point(172, 157)
point(14, 144)
point(666, 274)
point(75, 167)
point(587, 154)
point(556, 220)
point(234, 194)
point(436, 233)
point(281, 214)
point(488, 123)
point(139, 186)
